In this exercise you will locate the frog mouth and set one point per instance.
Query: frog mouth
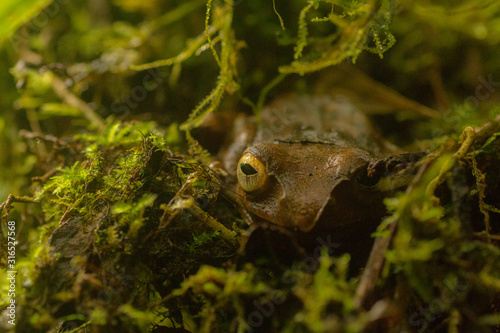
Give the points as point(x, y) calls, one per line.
point(348, 208)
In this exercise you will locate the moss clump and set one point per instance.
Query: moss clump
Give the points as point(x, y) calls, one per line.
point(118, 227)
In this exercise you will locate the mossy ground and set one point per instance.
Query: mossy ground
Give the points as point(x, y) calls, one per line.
point(121, 218)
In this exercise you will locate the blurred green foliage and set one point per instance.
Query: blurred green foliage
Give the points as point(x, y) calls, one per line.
point(13, 14)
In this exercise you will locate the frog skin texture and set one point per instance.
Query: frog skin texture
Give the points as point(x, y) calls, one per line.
point(314, 153)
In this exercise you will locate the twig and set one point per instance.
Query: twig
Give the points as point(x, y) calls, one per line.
point(377, 255)
point(487, 236)
point(373, 266)
point(33, 135)
point(11, 199)
point(70, 98)
point(214, 224)
point(45, 177)
point(193, 47)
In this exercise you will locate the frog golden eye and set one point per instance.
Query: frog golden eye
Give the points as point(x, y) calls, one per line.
point(251, 173)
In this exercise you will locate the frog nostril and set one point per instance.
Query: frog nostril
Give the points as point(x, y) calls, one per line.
point(247, 169)
point(310, 175)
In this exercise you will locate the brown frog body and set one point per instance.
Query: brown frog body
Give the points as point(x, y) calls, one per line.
point(306, 165)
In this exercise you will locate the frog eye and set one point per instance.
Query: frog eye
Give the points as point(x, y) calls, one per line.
point(251, 172)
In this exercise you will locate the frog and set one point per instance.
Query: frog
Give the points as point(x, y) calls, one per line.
point(310, 164)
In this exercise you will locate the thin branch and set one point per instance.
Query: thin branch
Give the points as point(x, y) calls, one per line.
point(70, 98)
